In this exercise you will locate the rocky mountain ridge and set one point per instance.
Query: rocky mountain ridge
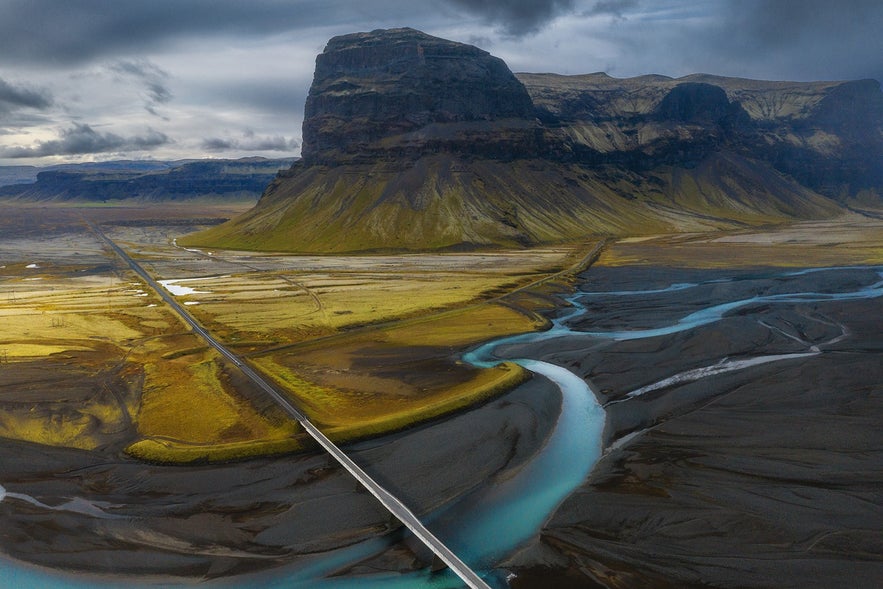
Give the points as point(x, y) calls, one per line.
point(826, 135)
point(242, 179)
point(415, 142)
point(402, 95)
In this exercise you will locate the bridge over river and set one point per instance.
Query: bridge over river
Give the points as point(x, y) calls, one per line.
point(387, 499)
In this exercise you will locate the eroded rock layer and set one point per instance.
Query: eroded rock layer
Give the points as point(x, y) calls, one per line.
point(415, 142)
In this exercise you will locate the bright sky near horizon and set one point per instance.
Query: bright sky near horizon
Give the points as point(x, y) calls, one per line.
point(89, 80)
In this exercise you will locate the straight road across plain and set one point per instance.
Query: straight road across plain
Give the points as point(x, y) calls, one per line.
point(387, 499)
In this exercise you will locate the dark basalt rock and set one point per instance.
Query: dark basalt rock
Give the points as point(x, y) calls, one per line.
point(412, 142)
point(700, 104)
point(852, 113)
point(402, 93)
point(694, 103)
point(828, 136)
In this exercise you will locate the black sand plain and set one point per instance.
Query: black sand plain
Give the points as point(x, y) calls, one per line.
point(767, 476)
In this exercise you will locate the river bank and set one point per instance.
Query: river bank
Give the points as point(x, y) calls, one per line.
point(741, 445)
point(721, 469)
point(173, 525)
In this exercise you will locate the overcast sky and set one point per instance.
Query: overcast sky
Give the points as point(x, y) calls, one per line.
point(87, 80)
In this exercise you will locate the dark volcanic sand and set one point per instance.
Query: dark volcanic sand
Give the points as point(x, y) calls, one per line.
point(770, 476)
point(220, 520)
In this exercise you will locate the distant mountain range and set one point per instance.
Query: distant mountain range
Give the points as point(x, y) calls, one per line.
point(415, 142)
point(142, 180)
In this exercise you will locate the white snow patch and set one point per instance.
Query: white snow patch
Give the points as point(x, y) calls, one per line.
point(31, 266)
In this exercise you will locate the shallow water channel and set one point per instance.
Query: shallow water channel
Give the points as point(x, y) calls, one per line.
point(490, 523)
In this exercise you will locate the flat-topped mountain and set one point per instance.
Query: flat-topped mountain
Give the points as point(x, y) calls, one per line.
point(240, 179)
point(415, 142)
point(402, 94)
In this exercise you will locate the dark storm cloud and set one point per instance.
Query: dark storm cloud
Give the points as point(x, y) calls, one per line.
point(612, 7)
point(776, 23)
point(800, 39)
point(83, 139)
point(80, 30)
point(77, 31)
point(516, 17)
point(217, 144)
point(13, 97)
point(843, 36)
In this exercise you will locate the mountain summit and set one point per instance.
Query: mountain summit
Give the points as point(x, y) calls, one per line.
point(403, 94)
point(413, 142)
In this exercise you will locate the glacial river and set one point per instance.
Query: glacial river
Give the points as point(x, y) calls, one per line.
point(492, 522)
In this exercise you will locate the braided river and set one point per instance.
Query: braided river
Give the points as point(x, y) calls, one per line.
point(491, 522)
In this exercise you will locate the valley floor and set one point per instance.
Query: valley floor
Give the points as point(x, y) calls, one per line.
point(726, 484)
point(744, 452)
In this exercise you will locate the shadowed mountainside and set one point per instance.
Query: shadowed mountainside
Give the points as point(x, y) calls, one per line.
point(415, 142)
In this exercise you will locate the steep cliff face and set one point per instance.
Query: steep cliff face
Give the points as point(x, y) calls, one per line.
point(828, 136)
point(398, 94)
point(414, 142)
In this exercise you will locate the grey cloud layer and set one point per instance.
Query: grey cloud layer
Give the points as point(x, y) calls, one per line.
point(76, 31)
point(516, 17)
point(250, 142)
point(805, 35)
point(841, 39)
point(151, 77)
point(13, 97)
point(128, 66)
point(83, 139)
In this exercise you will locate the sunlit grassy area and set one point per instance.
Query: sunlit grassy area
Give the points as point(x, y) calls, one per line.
point(380, 380)
point(91, 358)
point(65, 375)
point(852, 240)
point(286, 299)
point(97, 360)
point(345, 415)
point(191, 410)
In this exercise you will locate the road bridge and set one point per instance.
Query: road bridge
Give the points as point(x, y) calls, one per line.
point(387, 499)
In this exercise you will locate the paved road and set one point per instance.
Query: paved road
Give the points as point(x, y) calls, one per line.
point(389, 501)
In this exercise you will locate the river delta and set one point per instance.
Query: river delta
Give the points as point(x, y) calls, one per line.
point(705, 411)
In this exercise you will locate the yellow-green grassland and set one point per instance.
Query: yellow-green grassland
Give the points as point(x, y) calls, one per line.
point(91, 358)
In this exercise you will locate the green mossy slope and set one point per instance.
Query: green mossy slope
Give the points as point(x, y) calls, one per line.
point(442, 202)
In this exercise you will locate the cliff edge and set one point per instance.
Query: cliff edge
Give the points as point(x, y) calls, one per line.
point(412, 142)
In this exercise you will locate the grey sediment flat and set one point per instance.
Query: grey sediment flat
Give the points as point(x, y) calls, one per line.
point(260, 514)
point(771, 476)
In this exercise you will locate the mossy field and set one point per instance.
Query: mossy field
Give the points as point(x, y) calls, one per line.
point(849, 241)
point(91, 358)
